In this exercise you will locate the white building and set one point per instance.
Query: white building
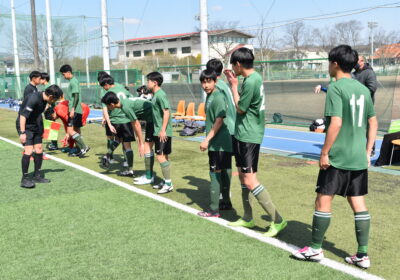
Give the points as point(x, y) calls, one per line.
point(221, 44)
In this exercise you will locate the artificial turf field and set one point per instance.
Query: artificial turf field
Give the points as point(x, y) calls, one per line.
point(82, 227)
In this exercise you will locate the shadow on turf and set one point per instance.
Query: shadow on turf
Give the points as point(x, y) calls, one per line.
point(299, 234)
point(45, 171)
point(201, 196)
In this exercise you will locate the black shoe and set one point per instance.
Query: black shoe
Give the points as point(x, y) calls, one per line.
point(105, 161)
point(27, 183)
point(126, 173)
point(52, 147)
point(225, 205)
point(83, 151)
point(40, 179)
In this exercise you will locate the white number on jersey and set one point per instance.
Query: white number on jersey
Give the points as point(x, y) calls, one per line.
point(360, 103)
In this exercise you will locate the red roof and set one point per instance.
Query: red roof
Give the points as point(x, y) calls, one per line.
point(388, 51)
point(182, 35)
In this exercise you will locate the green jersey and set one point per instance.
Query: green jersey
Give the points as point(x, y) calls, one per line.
point(351, 101)
point(230, 109)
point(74, 95)
point(160, 103)
point(216, 107)
point(137, 109)
point(116, 115)
point(250, 124)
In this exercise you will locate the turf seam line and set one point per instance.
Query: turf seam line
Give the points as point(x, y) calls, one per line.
point(250, 233)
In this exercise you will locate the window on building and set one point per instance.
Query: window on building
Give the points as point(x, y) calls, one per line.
point(127, 54)
point(172, 50)
point(137, 53)
point(158, 41)
point(148, 52)
point(185, 38)
point(186, 49)
point(171, 40)
point(159, 51)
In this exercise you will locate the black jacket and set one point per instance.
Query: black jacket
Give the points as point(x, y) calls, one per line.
point(367, 77)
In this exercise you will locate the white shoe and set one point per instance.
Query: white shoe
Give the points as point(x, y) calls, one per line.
point(142, 180)
point(309, 254)
point(125, 164)
point(159, 186)
point(166, 189)
point(363, 262)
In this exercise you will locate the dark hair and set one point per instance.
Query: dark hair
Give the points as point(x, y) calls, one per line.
point(155, 77)
point(34, 74)
point(45, 76)
point(208, 74)
point(106, 80)
point(66, 68)
point(143, 90)
point(244, 56)
point(216, 65)
point(110, 97)
point(102, 74)
point(54, 91)
point(48, 114)
point(345, 57)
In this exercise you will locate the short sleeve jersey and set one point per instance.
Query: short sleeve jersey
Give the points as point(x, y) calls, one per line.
point(74, 95)
point(351, 101)
point(116, 115)
point(29, 89)
point(160, 103)
point(230, 109)
point(32, 108)
point(216, 107)
point(250, 124)
point(136, 108)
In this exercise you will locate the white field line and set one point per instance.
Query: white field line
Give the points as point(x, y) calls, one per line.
point(250, 233)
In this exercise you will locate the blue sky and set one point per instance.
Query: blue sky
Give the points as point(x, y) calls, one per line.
point(161, 17)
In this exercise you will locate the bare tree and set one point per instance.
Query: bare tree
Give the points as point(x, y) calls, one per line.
point(383, 41)
point(348, 32)
point(324, 38)
point(297, 38)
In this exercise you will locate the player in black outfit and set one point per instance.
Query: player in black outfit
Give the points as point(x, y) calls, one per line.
point(34, 78)
point(30, 129)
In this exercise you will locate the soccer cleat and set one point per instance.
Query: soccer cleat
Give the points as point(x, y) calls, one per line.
point(52, 147)
point(126, 173)
point(159, 186)
point(105, 162)
point(225, 205)
point(274, 229)
point(125, 164)
point(209, 214)
point(84, 151)
point(165, 189)
point(142, 180)
point(27, 183)
point(66, 150)
point(309, 254)
point(40, 179)
point(73, 152)
point(242, 223)
point(363, 262)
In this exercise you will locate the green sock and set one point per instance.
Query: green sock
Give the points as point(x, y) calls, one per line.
point(215, 186)
point(248, 212)
point(226, 176)
point(111, 146)
point(79, 140)
point(129, 158)
point(166, 170)
point(265, 200)
point(321, 221)
point(148, 164)
point(362, 221)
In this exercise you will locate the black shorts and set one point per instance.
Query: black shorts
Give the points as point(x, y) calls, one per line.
point(163, 148)
point(149, 131)
point(33, 136)
point(76, 121)
point(219, 160)
point(246, 155)
point(124, 131)
point(342, 182)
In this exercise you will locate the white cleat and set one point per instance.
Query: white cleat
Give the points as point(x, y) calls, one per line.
point(363, 262)
point(165, 189)
point(142, 180)
point(309, 254)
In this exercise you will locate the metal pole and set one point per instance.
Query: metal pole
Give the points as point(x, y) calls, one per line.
point(204, 35)
point(188, 70)
point(372, 25)
point(125, 58)
point(34, 36)
point(105, 39)
point(15, 47)
point(86, 53)
point(50, 43)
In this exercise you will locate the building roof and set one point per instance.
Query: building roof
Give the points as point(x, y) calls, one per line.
point(388, 51)
point(180, 35)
